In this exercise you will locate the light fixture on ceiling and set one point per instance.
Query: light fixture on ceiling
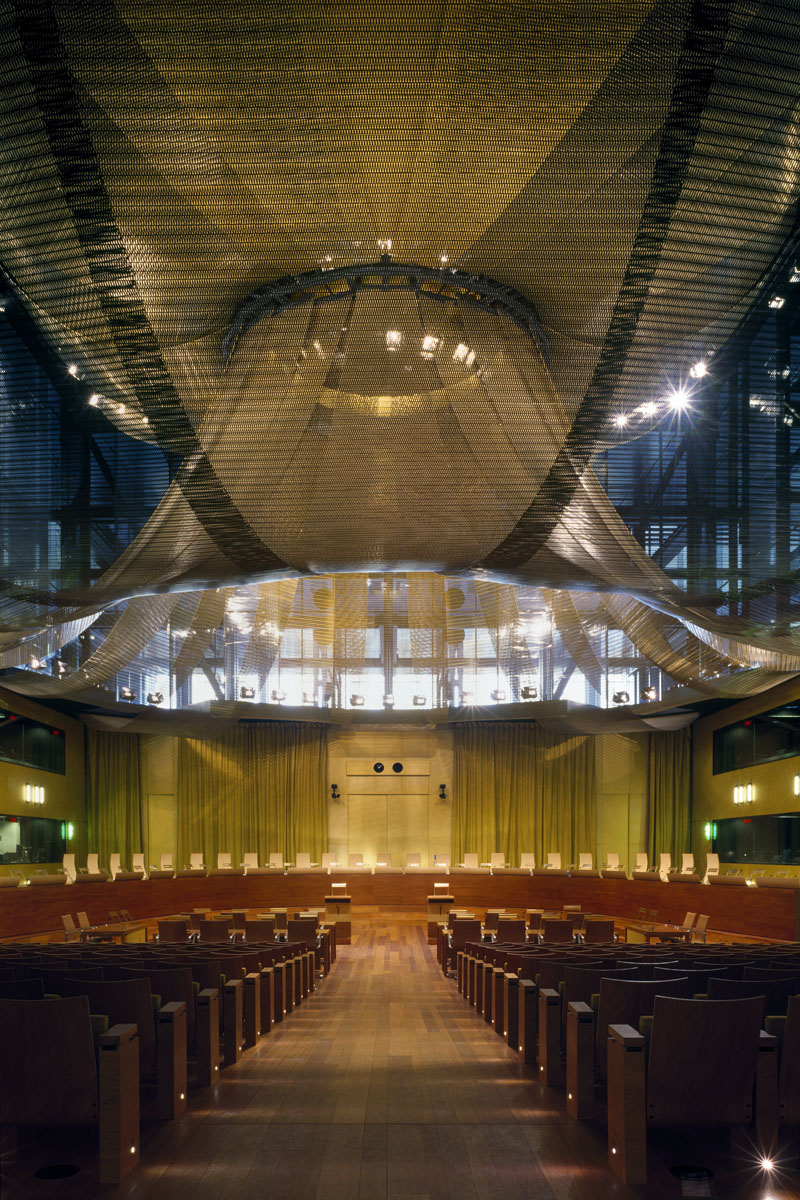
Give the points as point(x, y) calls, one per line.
point(394, 339)
point(621, 420)
point(155, 698)
point(72, 370)
point(621, 698)
point(61, 667)
point(649, 693)
point(357, 700)
point(648, 409)
point(420, 701)
point(776, 302)
point(498, 695)
point(278, 695)
point(467, 697)
point(388, 700)
point(460, 353)
point(94, 399)
point(529, 692)
point(127, 693)
point(308, 698)
point(247, 693)
point(699, 369)
point(443, 259)
point(430, 345)
point(385, 245)
point(37, 664)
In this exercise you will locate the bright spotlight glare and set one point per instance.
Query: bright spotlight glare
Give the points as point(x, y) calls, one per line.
point(620, 420)
point(679, 398)
point(767, 1164)
point(699, 370)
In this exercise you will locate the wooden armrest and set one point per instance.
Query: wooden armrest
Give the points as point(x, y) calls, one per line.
point(580, 1008)
point(626, 1035)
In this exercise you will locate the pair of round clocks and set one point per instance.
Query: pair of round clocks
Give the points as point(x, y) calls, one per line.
point(380, 767)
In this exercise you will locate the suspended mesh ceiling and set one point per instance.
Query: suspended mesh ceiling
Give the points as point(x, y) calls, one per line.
point(627, 176)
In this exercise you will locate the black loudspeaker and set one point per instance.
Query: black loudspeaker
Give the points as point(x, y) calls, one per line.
point(397, 768)
point(378, 768)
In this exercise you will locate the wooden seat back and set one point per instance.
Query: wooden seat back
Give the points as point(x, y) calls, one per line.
point(789, 1076)
point(304, 932)
point(124, 1003)
point(556, 929)
point(259, 931)
point(597, 932)
point(173, 931)
point(550, 969)
point(48, 1053)
point(702, 1063)
point(623, 1001)
point(217, 929)
point(511, 929)
point(22, 989)
point(775, 992)
point(170, 983)
point(463, 931)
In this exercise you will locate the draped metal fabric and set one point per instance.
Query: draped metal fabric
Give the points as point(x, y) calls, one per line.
point(632, 172)
point(669, 801)
point(260, 788)
point(518, 788)
point(113, 796)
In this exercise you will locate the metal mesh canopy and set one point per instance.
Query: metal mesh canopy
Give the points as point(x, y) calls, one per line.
point(387, 299)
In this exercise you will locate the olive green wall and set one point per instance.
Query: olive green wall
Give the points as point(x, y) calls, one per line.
point(65, 795)
point(773, 783)
point(621, 796)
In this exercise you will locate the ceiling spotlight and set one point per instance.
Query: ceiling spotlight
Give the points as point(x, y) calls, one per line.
point(621, 698)
point(649, 408)
point(385, 245)
point(420, 701)
point(308, 697)
point(443, 259)
point(37, 664)
point(388, 701)
point(679, 398)
point(357, 700)
point(529, 692)
point(650, 693)
point(61, 667)
point(699, 369)
point(776, 302)
point(278, 696)
point(460, 353)
point(155, 698)
point(498, 695)
point(620, 420)
point(467, 697)
point(394, 339)
point(430, 345)
point(72, 370)
point(247, 693)
point(127, 693)
point(94, 399)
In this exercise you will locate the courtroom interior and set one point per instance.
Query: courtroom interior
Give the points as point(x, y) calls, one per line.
point(399, 552)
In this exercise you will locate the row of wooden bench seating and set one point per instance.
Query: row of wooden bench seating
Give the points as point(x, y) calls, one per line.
point(584, 1020)
point(164, 1008)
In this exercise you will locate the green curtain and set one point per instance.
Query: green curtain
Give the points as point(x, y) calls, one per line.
point(114, 802)
point(518, 788)
point(260, 788)
point(669, 763)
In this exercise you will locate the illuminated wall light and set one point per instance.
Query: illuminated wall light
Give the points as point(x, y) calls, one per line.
point(749, 793)
point(736, 794)
point(797, 785)
point(707, 831)
point(34, 793)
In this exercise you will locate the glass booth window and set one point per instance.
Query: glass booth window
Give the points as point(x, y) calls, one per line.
point(32, 840)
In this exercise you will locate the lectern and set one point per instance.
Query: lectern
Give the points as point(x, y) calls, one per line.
point(337, 911)
point(439, 906)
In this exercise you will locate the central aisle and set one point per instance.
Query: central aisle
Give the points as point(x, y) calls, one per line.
point(383, 1084)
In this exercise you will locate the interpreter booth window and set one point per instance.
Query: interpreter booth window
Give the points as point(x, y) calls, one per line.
point(769, 840)
point(29, 742)
point(765, 738)
point(32, 840)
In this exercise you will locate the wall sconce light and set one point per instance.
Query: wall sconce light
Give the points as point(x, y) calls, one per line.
point(749, 793)
point(442, 791)
point(335, 792)
point(797, 785)
point(34, 793)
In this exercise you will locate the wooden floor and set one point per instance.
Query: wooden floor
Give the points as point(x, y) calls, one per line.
point(383, 1084)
